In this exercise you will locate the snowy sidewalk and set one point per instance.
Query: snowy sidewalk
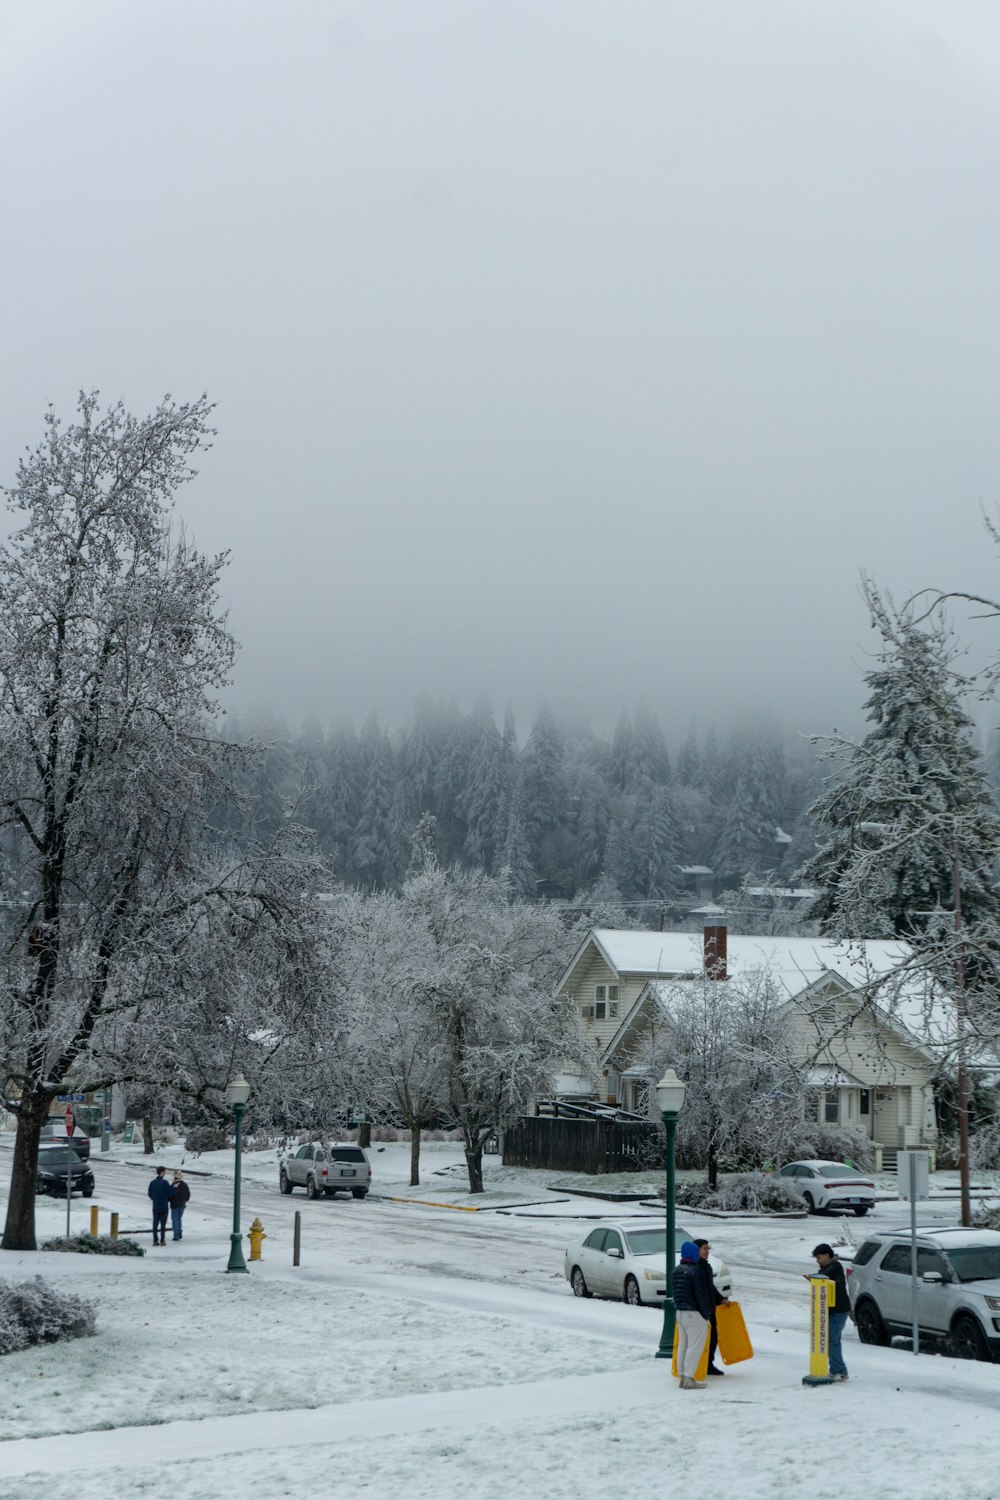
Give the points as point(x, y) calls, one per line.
point(505, 1406)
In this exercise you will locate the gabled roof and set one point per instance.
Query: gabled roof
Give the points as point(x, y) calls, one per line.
point(795, 962)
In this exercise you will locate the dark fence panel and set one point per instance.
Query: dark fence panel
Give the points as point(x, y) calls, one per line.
point(594, 1146)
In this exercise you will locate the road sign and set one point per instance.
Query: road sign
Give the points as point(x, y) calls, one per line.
point(70, 1119)
point(70, 1098)
point(358, 1116)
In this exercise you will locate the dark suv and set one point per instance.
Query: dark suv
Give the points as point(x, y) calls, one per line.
point(958, 1289)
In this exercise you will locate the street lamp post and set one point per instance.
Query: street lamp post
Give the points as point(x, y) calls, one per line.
point(670, 1098)
point(237, 1093)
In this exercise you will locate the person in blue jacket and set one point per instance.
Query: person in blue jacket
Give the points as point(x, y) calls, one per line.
point(694, 1312)
point(161, 1193)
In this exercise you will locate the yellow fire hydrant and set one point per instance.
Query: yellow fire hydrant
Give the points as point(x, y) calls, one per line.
point(256, 1233)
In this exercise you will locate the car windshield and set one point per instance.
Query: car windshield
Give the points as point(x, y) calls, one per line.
point(647, 1241)
point(976, 1263)
point(837, 1169)
point(58, 1157)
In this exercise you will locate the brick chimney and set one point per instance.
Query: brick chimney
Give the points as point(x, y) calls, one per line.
point(715, 952)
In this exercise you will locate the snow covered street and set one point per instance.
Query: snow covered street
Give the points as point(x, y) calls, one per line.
point(437, 1354)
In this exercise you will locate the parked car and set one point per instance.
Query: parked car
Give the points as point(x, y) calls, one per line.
point(830, 1186)
point(55, 1164)
point(326, 1169)
point(54, 1134)
point(958, 1289)
point(629, 1261)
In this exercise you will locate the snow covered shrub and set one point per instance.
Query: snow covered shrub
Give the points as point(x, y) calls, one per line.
point(753, 1192)
point(986, 1218)
point(33, 1312)
point(816, 1142)
point(95, 1244)
point(206, 1138)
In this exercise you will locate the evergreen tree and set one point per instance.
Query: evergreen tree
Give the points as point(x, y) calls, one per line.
point(909, 802)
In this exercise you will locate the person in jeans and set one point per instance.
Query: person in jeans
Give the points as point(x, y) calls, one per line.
point(178, 1202)
point(714, 1297)
point(161, 1193)
point(694, 1312)
point(839, 1305)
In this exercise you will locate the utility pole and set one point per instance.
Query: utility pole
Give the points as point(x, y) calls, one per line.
point(963, 1081)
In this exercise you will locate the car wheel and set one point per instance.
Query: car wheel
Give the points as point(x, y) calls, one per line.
point(810, 1203)
point(632, 1295)
point(284, 1184)
point(862, 1210)
point(871, 1329)
point(312, 1191)
point(88, 1192)
point(967, 1341)
point(359, 1192)
point(578, 1282)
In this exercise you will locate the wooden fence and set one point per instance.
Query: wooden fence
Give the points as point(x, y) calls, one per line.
point(595, 1146)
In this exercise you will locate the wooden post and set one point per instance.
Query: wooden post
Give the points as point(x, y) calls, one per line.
point(94, 1211)
point(297, 1238)
point(114, 1226)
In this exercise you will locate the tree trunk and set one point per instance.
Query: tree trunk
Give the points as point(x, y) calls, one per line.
point(19, 1229)
point(365, 1134)
point(474, 1162)
point(414, 1156)
point(713, 1165)
point(147, 1135)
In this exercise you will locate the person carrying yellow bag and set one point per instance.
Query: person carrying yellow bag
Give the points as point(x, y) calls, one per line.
point(694, 1312)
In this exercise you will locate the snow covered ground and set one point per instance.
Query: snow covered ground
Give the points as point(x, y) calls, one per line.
point(424, 1352)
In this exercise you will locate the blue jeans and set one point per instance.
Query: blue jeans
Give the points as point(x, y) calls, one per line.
point(176, 1215)
point(837, 1321)
point(159, 1224)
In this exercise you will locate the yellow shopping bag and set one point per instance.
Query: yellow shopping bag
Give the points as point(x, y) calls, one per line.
point(699, 1374)
point(734, 1341)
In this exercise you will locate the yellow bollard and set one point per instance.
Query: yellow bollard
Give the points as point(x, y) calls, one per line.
point(114, 1226)
point(94, 1211)
point(256, 1234)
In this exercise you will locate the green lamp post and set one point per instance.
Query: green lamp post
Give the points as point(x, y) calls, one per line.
point(670, 1098)
point(237, 1093)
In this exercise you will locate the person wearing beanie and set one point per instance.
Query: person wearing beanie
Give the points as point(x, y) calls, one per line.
point(839, 1305)
point(694, 1311)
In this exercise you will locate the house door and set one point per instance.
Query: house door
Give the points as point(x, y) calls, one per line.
point(886, 1117)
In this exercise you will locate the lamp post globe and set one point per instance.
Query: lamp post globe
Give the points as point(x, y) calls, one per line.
point(237, 1094)
point(670, 1100)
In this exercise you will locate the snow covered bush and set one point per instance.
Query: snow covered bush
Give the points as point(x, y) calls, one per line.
point(755, 1192)
point(816, 1142)
point(95, 1244)
point(34, 1312)
point(986, 1218)
point(206, 1138)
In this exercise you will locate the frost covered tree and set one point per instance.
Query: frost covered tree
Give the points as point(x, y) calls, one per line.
point(112, 650)
point(909, 814)
point(485, 968)
point(730, 1042)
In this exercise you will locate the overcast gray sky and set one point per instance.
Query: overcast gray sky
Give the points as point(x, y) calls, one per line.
point(562, 349)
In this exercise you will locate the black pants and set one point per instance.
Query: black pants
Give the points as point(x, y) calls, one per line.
point(713, 1339)
point(160, 1224)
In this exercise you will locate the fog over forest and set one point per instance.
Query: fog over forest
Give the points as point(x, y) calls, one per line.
point(567, 353)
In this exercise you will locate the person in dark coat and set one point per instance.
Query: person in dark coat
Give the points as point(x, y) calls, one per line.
point(179, 1199)
point(839, 1306)
point(161, 1193)
point(714, 1297)
point(694, 1312)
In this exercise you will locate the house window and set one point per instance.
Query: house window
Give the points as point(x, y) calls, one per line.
point(866, 1101)
point(614, 1086)
point(606, 1002)
point(831, 1106)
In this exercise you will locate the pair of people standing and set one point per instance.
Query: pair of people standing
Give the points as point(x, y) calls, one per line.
point(168, 1195)
point(695, 1299)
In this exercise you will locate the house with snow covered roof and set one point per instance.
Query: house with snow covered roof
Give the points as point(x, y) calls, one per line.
point(870, 1063)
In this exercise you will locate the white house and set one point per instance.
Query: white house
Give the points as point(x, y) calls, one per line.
point(867, 1067)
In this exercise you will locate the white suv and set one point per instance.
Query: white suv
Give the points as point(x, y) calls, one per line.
point(958, 1289)
point(321, 1168)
